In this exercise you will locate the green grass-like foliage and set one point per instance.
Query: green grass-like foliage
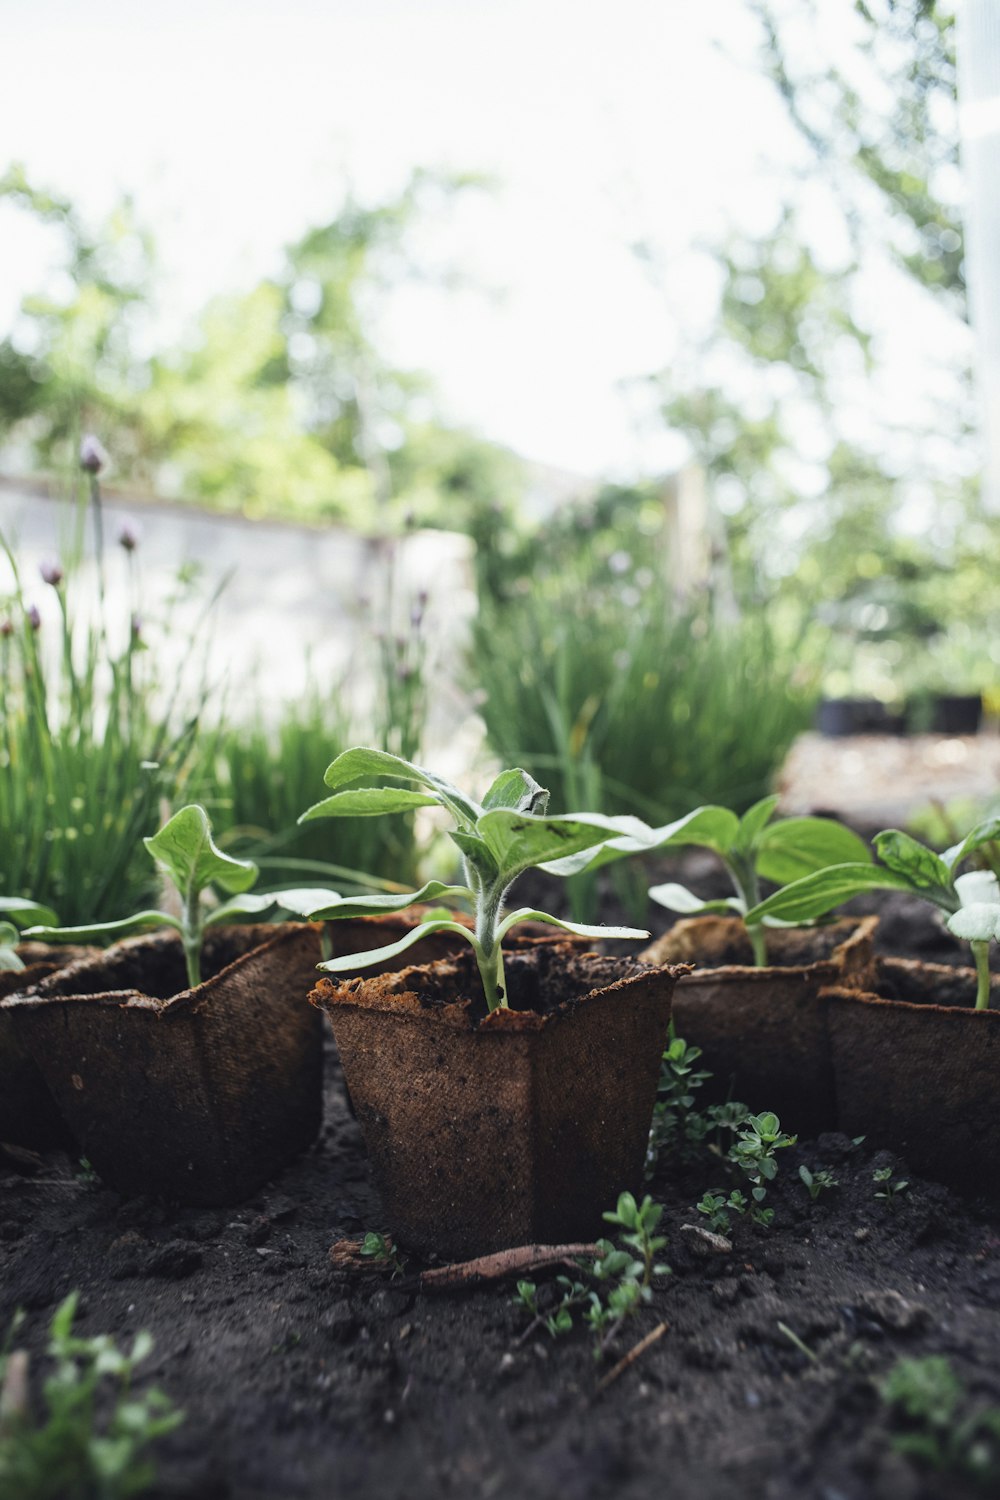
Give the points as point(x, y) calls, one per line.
point(500, 838)
point(186, 853)
point(90, 1436)
point(927, 1400)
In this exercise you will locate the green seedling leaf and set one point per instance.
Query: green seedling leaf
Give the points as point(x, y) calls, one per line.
point(349, 963)
point(815, 895)
point(351, 765)
point(795, 847)
point(710, 827)
point(21, 912)
point(752, 825)
point(679, 898)
point(184, 847)
point(100, 930)
point(579, 929)
point(9, 960)
point(379, 906)
point(252, 903)
point(518, 791)
point(979, 922)
point(520, 841)
point(987, 832)
point(476, 852)
point(926, 872)
point(368, 802)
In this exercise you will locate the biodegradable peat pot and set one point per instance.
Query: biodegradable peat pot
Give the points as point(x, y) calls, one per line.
point(762, 1031)
point(28, 1113)
point(517, 1127)
point(917, 1069)
point(197, 1094)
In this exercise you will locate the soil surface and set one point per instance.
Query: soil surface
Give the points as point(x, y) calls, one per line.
point(303, 1378)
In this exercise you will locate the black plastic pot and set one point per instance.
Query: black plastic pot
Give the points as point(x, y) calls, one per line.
point(839, 717)
point(957, 713)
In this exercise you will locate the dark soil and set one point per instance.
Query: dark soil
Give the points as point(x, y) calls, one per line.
point(304, 1379)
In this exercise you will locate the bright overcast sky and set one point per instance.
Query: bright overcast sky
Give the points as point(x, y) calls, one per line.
point(233, 121)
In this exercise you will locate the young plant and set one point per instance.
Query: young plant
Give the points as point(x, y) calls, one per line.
point(752, 848)
point(820, 1181)
point(20, 913)
point(927, 1395)
point(675, 1119)
point(185, 852)
point(381, 1250)
point(92, 1435)
point(888, 1188)
point(970, 903)
point(499, 839)
point(760, 1136)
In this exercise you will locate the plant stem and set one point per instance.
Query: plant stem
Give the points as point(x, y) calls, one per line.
point(489, 957)
point(758, 943)
point(981, 953)
point(191, 933)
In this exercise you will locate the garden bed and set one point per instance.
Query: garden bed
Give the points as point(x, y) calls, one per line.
point(302, 1379)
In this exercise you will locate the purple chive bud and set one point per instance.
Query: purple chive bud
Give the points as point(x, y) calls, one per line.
point(128, 536)
point(93, 456)
point(136, 627)
point(51, 573)
point(34, 618)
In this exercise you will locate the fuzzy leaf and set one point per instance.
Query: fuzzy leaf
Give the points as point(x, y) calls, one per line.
point(299, 902)
point(797, 846)
point(9, 960)
point(815, 895)
point(579, 929)
point(710, 827)
point(380, 906)
point(185, 849)
point(517, 790)
point(361, 761)
point(21, 911)
point(679, 898)
point(476, 851)
point(927, 874)
point(348, 963)
point(753, 823)
point(978, 885)
point(979, 922)
point(98, 930)
point(368, 802)
point(520, 841)
point(987, 832)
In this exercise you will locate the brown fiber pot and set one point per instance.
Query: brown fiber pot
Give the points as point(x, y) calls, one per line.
point(762, 1031)
point(28, 1114)
point(197, 1094)
point(517, 1127)
point(917, 1069)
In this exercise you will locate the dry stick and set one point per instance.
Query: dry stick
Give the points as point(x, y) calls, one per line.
point(636, 1352)
point(14, 1394)
point(503, 1263)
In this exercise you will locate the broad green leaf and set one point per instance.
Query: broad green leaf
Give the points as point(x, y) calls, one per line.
point(978, 922)
point(797, 846)
point(379, 906)
point(299, 902)
point(477, 852)
point(100, 930)
point(976, 886)
point(348, 963)
point(351, 765)
point(185, 849)
point(579, 929)
point(519, 841)
point(708, 827)
point(927, 873)
point(679, 898)
point(987, 832)
point(753, 823)
point(368, 802)
point(815, 895)
point(21, 911)
point(9, 960)
point(517, 790)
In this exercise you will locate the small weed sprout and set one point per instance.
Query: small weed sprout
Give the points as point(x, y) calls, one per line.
point(80, 1444)
point(888, 1189)
point(927, 1396)
point(760, 1137)
point(676, 1122)
point(820, 1181)
point(186, 853)
point(381, 1249)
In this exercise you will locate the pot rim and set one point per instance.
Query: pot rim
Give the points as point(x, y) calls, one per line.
point(396, 996)
point(184, 1002)
point(862, 929)
point(840, 993)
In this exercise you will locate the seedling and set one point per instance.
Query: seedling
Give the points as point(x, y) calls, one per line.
point(186, 853)
point(675, 1119)
point(820, 1181)
point(20, 912)
point(752, 848)
point(380, 1248)
point(928, 1395)
point(760, 1136)
point(888, 1189)
point(93, 1431)
point(499, 839)
point(970, 902)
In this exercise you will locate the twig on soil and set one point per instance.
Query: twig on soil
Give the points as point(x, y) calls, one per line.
point(802, 1347)
point(14, 1394)
point(636, 1352)
point(21, 1158)
point(503, 1263)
